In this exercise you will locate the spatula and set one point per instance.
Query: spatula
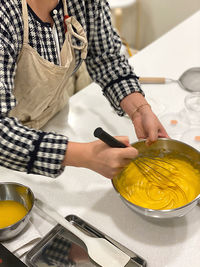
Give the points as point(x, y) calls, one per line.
point(100, 250)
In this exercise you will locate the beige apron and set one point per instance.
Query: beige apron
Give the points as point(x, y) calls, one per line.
point(40, 86)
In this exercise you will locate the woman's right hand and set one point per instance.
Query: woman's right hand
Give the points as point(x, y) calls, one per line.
point(99, 157)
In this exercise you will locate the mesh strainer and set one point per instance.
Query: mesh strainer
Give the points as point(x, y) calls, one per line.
point(189, 80)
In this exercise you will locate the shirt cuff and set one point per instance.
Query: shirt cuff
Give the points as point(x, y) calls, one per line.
point(47, 156)
point(118, 89)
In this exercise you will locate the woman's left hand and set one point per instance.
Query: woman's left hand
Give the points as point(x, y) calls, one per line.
point(146, 124)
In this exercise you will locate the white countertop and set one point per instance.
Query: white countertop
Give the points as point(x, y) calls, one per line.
point(173, 243)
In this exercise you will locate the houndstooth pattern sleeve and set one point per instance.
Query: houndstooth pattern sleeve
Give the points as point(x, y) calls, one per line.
point(18, 143)
point(106, 65)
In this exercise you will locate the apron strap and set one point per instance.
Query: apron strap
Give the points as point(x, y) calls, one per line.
point(25, 20)
point(80, 35)
point(65, 7)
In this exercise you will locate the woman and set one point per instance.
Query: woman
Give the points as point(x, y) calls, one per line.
point(42, 43)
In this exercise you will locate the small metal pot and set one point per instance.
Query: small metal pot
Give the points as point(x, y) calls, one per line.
point(22, 194)
point(164, 145)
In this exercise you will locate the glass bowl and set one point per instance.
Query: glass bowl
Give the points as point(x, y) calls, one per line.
point(192, 106)
point(174, 123)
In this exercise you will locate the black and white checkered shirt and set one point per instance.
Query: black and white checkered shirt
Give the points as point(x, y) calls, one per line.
point(38, 152)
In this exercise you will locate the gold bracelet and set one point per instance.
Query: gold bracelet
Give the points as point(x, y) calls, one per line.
point(138, 108)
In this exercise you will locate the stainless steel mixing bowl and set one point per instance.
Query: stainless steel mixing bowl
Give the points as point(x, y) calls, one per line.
point(22, 194)
point(164, 145)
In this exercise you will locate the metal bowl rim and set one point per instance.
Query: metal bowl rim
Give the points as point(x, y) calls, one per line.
point(167, 139)
point(18, 222)
point(153, 210)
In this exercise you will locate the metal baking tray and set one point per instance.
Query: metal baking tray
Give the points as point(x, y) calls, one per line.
point(60, 248)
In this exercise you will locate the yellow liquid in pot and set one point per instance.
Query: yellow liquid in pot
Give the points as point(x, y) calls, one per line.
point(181, 186)
point(11, 212)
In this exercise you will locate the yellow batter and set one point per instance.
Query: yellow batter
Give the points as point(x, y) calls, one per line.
point(155, 191)
point(11, 212)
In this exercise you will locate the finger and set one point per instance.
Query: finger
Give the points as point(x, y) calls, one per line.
point(139, 129)
point(152, 137)
point(123, 139)
point(162, 133)
point(128, 153)
point(125, 162)
point(140, 134)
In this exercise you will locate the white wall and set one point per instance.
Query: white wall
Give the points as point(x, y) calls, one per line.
point(147, 20)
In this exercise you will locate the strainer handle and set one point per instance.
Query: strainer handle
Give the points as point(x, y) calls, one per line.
point(152, 80)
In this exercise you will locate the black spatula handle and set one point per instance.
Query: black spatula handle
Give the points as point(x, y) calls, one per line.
point(107, 138)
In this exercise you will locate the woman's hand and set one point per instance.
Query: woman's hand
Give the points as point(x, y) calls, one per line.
point(99, 157)
point(146, 124)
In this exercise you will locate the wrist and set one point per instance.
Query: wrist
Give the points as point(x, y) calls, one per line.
point(77, 155)
point(132, 102)
point(140, 110)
